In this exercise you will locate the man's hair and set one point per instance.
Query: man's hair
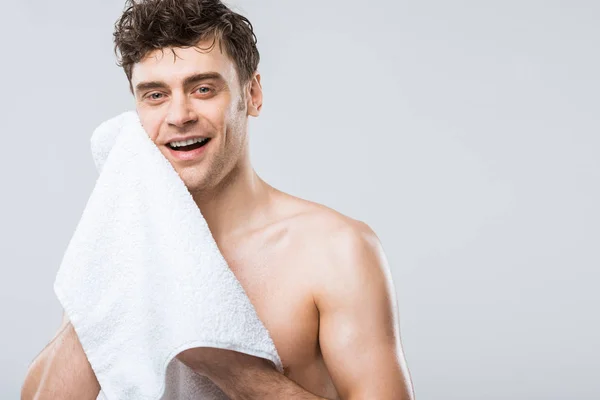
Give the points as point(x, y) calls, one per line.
point(149, 25)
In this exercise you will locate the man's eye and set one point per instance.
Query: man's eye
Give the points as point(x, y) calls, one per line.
point(204, 89)
point(154, 94)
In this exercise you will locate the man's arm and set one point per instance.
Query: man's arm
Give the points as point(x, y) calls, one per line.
point(243, 377)
point(61, 370)
point(359, 331)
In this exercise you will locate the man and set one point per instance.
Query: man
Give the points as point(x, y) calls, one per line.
point(319, 280)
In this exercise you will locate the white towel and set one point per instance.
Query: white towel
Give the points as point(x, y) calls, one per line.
point(142, 278)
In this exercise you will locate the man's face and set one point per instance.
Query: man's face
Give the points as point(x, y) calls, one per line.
point(213, 106)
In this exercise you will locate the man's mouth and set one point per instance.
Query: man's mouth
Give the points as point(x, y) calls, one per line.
point(190, 147)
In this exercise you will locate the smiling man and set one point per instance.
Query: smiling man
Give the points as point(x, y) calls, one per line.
point(319, 280)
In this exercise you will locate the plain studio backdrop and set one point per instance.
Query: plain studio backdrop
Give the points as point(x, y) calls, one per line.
point(465, 133)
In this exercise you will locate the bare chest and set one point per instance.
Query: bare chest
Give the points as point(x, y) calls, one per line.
point(280, 291)
point(278, 269)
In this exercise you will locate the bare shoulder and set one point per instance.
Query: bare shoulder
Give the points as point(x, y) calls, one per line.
point(339, 246)
point(353, 291)
point(313, 219)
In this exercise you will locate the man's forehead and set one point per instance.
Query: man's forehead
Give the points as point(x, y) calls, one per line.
point(165, 66)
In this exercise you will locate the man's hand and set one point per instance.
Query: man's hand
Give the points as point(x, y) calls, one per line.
point(242, 376)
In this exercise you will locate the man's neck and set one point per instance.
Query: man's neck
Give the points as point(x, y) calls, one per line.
point(238, 205)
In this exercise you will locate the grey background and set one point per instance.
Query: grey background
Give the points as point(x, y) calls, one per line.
point(465, 133)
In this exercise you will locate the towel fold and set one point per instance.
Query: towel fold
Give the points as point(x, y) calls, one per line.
point(142, 278)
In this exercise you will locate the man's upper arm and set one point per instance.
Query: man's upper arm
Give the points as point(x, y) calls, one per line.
point(359, 324)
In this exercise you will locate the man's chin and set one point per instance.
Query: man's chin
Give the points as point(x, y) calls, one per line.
point(194, 185)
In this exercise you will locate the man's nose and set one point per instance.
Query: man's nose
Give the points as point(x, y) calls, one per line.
point(180, 112)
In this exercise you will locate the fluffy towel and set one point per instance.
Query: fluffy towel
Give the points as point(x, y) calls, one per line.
point(142, 278)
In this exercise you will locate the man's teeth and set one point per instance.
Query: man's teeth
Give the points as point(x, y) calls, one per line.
point(187, 142)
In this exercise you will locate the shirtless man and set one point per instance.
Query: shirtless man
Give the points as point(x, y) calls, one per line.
point(319, 280)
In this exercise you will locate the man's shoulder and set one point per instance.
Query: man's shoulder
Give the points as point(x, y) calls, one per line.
point(317, 221)
point(334, 236)
point(344, 253)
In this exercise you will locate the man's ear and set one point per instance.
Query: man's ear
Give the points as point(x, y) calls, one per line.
point(254, 96)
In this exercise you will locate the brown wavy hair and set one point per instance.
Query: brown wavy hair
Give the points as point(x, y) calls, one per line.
point(148, 25)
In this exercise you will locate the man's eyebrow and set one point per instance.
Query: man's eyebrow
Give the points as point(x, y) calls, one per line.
point(190, 80)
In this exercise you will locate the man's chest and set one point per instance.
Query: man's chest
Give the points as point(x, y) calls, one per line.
point(280, 290)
